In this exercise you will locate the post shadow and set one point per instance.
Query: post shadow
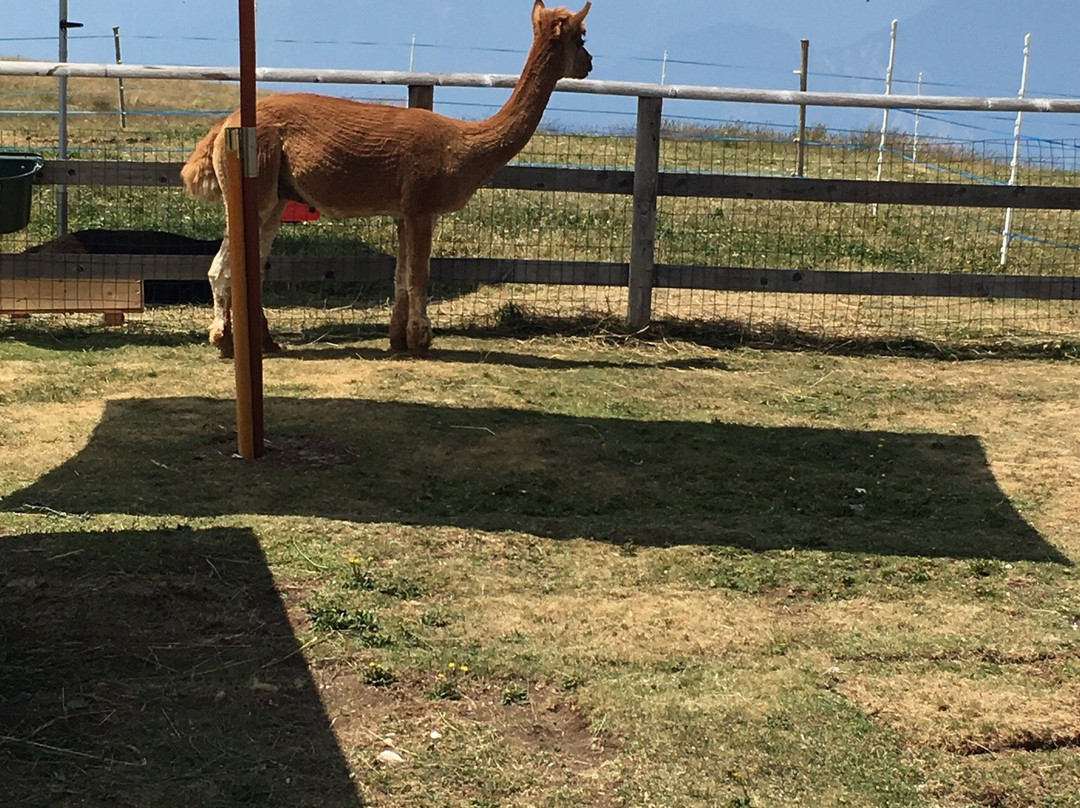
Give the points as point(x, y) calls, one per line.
point(617, 480)
point(144, 668)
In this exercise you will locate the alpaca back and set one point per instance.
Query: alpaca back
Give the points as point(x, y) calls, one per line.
point(361, 159)
point(198, 173)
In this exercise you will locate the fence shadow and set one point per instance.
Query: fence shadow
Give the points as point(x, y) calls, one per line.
point(609, 479)
point(156, 668)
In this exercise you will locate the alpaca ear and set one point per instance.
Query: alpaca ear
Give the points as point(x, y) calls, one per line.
point(538, 8)
point(579, 18)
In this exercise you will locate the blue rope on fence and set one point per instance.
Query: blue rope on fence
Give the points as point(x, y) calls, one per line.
point(1042, 242)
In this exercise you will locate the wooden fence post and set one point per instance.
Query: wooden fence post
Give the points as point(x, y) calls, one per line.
point(800, 139)
point(422, 96)
point(646, 185)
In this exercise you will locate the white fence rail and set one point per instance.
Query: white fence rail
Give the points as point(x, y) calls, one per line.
point(619, 88)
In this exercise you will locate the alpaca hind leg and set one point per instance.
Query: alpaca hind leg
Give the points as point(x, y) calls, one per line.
point(220, 277)
point(418, 233)
point(270, 223)
point(399, 318)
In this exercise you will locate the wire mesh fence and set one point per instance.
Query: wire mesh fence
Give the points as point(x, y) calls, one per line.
point(501, 223)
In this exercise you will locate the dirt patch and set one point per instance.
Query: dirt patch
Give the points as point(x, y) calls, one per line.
point(542, 743)
point(308, 451)
point(547, 722)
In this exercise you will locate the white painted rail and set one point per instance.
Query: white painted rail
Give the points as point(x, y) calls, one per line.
point(620, 88)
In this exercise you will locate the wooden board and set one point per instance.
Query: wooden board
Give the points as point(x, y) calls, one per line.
point(621, 181)
point(53, 295)
point(840, 282)
point(67, 266)
point(113, 271)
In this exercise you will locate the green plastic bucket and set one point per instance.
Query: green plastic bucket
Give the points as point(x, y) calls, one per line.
point(17, 172)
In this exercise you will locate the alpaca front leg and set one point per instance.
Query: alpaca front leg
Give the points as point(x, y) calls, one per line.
point(418, 233)
point(220, 280)
point(399, 317)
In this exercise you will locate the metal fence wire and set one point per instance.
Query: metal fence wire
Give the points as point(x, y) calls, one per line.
point(501, 223)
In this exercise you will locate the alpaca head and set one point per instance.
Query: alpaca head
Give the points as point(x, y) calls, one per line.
point(565, 31)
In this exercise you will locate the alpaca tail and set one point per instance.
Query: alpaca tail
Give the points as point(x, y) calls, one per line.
point(198, 173)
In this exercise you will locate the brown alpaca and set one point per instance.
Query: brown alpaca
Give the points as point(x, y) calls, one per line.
point(352, 159)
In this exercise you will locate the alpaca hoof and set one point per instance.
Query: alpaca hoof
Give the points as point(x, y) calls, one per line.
point(221, 338)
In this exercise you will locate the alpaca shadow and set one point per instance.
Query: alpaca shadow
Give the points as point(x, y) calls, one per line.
point(611, 479)
point(156, 668)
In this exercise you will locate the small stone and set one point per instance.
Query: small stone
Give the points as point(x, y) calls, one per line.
point(389, 757)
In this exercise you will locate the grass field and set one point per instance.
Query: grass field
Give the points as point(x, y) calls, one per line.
point(542, 571)
point(678, 569)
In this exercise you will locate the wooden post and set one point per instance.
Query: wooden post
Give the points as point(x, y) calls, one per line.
point(800, 140)
point(120, 81)
point(245, 259)
point(422, 96)
point(241, 320)
point(62, 120)
point(646, 186)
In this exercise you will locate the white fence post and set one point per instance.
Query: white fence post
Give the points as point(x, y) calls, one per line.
point(888, 91)
point(915, 133)
point(1006, 231)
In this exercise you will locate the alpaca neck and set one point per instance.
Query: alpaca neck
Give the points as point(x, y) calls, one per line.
point(499, 138)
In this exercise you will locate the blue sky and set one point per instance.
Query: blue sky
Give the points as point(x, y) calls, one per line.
point(964, 47)
point(304, 33)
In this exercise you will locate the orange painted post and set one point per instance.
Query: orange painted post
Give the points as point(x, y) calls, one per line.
point(241, 321)
point(247, 282)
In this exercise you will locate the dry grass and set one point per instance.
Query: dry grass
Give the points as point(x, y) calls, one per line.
point(652, 558)
point(94, 105)
point(983, 709)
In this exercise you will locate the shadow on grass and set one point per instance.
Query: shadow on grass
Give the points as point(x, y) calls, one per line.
point(609, 479)
point(328, 351)
point(156, 668)
point(720, 335)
